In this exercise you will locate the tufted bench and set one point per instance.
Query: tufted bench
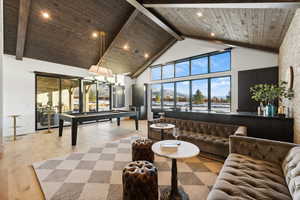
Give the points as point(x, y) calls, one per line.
point(212, 138)
point(259, 169)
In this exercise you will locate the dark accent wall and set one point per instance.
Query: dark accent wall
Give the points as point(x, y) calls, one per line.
point(249, 78)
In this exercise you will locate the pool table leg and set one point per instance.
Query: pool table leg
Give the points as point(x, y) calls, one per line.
point(118, 121)
point(74, 132)
point(136, 123)
point(61, 127)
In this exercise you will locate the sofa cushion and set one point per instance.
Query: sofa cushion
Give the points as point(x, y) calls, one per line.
point(206, 138)
point(243, 177)
point(291, 170)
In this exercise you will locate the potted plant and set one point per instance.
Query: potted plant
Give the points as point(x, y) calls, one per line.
point(267, 94)
point(259, 94)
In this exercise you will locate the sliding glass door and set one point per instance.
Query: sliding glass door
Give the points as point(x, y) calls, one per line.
point(103, 97)
point(70, 95)
point(89, 96)
point(63, 94)
point(47, 101)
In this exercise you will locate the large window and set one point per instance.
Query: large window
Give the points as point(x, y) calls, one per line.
point(168, 71)
point(220, 62)
point(206, 94)
point(199, 66)
point(156, 73)
point(156, 96)
point(211, 92)
point(182, 68)
point(200, 94)
point(220, 94)
point(183, 94)
point(168, 95)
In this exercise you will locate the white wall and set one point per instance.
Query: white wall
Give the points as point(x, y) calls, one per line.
point(242, 59)
point(1, 71)
point(19, 89)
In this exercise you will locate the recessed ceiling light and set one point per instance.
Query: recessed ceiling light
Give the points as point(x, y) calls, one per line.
point(45, 15)
point(199, 14)
point(146, 55)
point(212, 34)
point(126, 47)
point(95, 34)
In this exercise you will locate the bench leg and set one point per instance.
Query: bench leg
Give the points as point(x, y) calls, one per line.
point(118, 121)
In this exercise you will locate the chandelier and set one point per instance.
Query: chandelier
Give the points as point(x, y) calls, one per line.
point(98, 69)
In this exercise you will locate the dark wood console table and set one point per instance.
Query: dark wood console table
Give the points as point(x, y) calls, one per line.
point(273, 128)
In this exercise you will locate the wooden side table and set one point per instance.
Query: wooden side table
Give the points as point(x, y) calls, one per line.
point(14, 118)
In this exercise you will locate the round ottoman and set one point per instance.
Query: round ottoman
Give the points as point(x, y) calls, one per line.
point(140, 181)
point(141, 150)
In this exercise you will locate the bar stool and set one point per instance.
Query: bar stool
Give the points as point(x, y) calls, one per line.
point(14, 118)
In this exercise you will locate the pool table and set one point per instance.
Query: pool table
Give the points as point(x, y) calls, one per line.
point(77, 118)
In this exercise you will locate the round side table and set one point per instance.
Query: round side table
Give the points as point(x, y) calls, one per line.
point(184, 150)
point(162, 127)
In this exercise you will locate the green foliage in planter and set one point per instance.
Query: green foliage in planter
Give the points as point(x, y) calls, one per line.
point(268, 93)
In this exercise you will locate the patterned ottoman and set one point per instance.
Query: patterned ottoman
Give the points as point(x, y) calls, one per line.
point(140, 181)
point(141, 150)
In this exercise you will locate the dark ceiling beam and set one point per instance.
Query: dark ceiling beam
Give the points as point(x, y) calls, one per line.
point(234, 43)
point(221, 4)
point(154, 58)
point(24, 10)
point(124, 27)
point(154, 18)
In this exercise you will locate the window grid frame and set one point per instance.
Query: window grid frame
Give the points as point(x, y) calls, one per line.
point(190, 93)
point(208, 55)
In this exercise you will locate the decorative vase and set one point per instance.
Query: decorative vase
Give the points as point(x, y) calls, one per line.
point(272, 110)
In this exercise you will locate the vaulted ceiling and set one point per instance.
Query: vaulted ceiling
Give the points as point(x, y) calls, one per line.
point(143, 39)
point(65, 38)
point(136, 37)
point(255, 26)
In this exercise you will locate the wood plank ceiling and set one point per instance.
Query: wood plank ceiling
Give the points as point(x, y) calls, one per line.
point(141, 36)
point(65, 38)
point(255, 26)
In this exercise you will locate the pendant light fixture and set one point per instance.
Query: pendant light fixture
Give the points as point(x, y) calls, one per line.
point(99, 69)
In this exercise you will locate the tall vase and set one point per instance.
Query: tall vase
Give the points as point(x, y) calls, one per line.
point(270, 110)
point(273, 110)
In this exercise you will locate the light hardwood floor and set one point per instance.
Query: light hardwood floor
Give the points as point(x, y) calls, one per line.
point(17, 178)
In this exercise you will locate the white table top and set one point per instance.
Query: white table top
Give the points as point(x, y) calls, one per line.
point(184, 150)
point(165, 126)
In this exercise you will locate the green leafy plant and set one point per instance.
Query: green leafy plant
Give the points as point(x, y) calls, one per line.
point(268, 93)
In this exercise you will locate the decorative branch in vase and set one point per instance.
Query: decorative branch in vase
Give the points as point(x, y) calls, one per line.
point(267, 94)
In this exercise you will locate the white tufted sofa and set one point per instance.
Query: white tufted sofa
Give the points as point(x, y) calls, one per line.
point(258, 169)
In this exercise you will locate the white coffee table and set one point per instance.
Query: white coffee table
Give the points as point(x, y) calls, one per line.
point(184, 150)
point(162, 127)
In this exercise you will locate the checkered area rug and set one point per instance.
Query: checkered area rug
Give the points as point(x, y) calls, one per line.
point(97, 174)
